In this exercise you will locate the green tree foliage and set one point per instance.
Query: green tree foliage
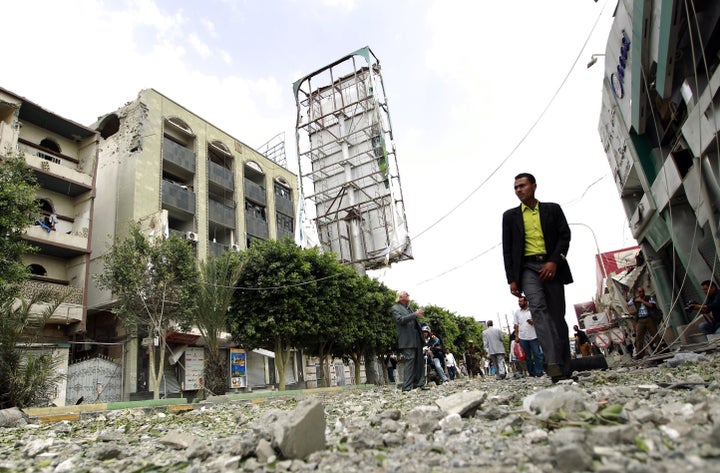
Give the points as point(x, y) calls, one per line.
point(155, 284)
point(469, 329)
point(334, 312)
point(284, 293)
point(444, 324)
point(18, 210)
point(217, 279)
point(369, 330)
point(28, 374)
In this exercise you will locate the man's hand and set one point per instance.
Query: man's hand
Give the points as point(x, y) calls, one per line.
point(514, 290)
point(548, 271)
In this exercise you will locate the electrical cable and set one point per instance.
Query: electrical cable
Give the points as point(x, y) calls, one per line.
point(525, 136)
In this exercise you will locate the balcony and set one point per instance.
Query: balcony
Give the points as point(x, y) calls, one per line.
point(179, 157)
point(284, 206)
point(256, 227)
point(255, 192)
point(55, 171)
point(178, 198)
point(221, 214)
point(221, 177)
point(59, 243)
point(216, 249)
point(69, 312)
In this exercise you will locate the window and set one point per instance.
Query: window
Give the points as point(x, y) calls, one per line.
point(254, 210)
point(284, 223)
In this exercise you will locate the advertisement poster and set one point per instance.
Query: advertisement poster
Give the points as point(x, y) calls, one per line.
point(238, 372)
point(194, 366)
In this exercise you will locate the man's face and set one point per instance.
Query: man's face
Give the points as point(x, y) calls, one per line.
point(523, 303)
point(709, 289)
point(525, 190)
point(404, 298)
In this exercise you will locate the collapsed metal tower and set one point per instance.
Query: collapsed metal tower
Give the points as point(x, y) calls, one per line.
point(348, 167)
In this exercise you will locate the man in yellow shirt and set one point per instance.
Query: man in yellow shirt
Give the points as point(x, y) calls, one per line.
point(536, 239)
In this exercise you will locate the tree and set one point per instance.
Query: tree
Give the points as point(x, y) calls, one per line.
point(27, 378)
point(217, 279)
point(18, 210)
point(282, 291)
point(370, 329)
point(469, 329)
point(155, 282)
point(28, 374)
point(443, 323)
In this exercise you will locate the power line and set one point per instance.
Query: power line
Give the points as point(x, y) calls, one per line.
point(525, 136)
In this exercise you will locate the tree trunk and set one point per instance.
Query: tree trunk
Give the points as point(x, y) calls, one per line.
point(282, 356)
point(215, 374)
point(371, 373)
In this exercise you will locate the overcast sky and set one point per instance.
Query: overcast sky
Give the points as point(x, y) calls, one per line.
point(468, 85)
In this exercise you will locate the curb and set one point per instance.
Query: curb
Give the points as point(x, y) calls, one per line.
point(43, 415)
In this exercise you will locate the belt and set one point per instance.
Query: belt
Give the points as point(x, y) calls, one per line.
point(536, 258)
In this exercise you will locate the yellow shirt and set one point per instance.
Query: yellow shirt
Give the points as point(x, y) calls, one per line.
point(534, 238)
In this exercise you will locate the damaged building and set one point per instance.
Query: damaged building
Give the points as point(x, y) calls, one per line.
point(172, 172)
point(659, 125)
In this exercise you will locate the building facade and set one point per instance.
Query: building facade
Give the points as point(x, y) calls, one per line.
point(174, 173)
point(63, 156)
point(659, 125)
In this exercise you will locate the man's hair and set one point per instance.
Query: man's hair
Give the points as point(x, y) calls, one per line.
point(489, 323)
point(529, 176)
point(708, 283)
point(399, 295)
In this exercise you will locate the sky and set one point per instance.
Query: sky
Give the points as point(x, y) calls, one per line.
point(478, 92)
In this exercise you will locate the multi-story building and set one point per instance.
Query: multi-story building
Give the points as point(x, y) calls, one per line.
point(171, 171)
point(63, 157)
point(659, 126)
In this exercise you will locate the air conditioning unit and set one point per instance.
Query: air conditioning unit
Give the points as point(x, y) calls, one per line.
point(236, 247)
point(192, 236)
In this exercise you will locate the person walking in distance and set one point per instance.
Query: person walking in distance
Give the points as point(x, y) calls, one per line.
point(536, 239)
point(410, 342)
point(495, 348)
point(527, 337)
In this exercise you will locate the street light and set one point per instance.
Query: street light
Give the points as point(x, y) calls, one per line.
point(597, 247)
point(593, 59)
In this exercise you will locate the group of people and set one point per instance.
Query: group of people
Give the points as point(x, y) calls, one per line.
point(535, 241)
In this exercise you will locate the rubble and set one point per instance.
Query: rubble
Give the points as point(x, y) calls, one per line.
point(640, 418)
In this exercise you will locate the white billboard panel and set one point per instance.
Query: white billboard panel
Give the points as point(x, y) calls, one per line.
point(347, 161)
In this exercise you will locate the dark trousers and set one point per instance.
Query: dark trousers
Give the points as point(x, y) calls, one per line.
point(533, 356)
point(547, 304)
point(414, 370)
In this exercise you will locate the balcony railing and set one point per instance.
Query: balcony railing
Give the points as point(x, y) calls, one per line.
point(70, 310)
point(255, 192)
point(256, 226)
point(284, 206)
point(221, 214)
point(178, 197)
point(179, 155)
point(220, 176)
point(216, 249)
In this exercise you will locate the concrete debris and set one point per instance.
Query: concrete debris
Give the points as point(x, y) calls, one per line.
point(632, 419)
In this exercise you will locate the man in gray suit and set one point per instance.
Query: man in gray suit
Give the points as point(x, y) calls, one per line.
point(410, 342)
point(495, 348)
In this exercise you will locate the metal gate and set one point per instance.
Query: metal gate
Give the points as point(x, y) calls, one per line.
point(93, 381)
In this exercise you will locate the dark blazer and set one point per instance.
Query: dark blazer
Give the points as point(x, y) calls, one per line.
point(408, 328)
point(557, 241)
